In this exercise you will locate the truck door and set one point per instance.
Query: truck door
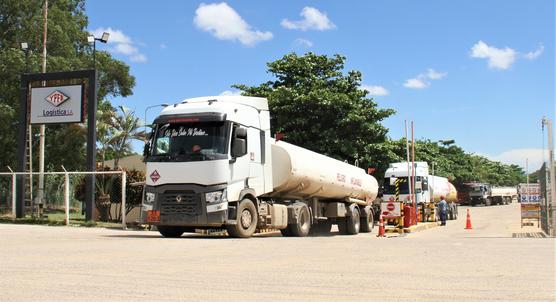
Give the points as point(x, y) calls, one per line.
point(254, 150)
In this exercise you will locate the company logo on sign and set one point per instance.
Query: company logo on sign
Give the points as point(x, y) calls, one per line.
point(59, 104)
point(56, 98)
point(155, 176)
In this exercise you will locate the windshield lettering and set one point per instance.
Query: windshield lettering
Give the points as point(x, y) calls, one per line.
point(183, 131)
point(191, 142)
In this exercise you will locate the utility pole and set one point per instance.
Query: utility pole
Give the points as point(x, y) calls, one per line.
point(550, 203)
point(40, 194)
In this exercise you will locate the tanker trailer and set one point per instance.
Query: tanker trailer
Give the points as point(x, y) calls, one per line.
point(212, 164)
point(440, 186)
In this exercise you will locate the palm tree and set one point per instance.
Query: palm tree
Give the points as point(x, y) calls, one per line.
point(106, 121)
point(127, 127)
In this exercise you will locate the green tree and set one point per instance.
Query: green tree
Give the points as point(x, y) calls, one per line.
point(316, 106)
point(22, 21)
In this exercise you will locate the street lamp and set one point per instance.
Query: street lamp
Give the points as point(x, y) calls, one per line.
point(92, 39)
point(163, 105)
point(25, 48)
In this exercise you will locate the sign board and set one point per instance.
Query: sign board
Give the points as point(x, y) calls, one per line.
point(57, 104)
point(530, 194)
point(391, 209)
point(530, 211)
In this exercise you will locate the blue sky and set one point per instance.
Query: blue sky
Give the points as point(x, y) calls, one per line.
point(479, 72)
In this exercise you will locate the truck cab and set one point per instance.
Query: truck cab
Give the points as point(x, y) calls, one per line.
point(479, 193)
point(204, 152)
point(398, 173)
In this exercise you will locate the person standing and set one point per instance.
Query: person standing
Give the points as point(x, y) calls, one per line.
point(442, 209)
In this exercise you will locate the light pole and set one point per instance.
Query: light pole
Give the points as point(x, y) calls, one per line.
point(163, 105)
point(92, 39)
point(25, 48)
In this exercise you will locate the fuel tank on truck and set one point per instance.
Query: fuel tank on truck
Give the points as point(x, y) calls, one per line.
point(442, 187)
point(299, 173)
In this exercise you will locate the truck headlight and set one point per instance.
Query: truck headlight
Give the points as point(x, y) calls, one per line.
point(149, 197)
point(217, 196)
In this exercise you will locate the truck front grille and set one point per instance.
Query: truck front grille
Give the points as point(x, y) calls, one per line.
point(186, 203)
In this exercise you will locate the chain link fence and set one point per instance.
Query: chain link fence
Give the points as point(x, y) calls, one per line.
point(6, 195)
point(63, 198)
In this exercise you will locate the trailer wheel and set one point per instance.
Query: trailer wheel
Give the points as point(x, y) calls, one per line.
point(246, 221)
point(367, 223)
point(302, 226)
point(170, 231)
point(353, 222)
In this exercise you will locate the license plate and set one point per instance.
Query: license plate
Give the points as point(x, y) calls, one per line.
point(153, 216)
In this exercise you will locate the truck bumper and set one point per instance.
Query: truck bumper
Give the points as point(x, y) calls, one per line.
point(185, 205)
point(473, 201)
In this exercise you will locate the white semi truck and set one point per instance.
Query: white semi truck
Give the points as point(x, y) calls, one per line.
point(212, 164)
point(428, 188)
point(482, 193)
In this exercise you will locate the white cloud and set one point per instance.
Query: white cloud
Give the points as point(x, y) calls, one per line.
point(534, 54)
point(303, 43)
point(120, 43)
point(498, 58)
point(312, 19)
point(126, 49)
point(231, 92)
point(375, 90)
point(423, 80)
point(518, 157)
point(416, 83)
point(224, 23)
point(435, 75)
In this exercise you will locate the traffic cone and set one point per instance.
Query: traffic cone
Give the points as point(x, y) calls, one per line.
point(468, 224)
point(381, 230)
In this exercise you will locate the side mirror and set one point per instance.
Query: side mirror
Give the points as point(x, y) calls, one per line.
point(239, 142)
point(239, 147)
point(241, 133)
point(146, 149)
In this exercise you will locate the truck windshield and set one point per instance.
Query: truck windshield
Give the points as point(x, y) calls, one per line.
point(190, 142)
point(477, 189)
point(390, 189)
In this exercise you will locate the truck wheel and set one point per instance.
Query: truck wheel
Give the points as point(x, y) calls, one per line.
point(367, 223)
point(353, 222)
point(170, 231)
point(321, 228)
point(488, 202)
point(246, 221)
point(302, 226)
point(286, 232)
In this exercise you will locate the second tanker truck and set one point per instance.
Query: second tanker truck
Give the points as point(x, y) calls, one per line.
point(211, 163)
point(428, 188)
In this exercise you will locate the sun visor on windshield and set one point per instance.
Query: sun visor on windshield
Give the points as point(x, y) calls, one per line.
point(191, 118)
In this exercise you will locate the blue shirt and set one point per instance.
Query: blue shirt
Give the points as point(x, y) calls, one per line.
point(442, 206)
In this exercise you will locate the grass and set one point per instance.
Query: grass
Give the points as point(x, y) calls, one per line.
point(58, 219)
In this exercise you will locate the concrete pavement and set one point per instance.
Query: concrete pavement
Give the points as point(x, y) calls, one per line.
point(444, 263)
